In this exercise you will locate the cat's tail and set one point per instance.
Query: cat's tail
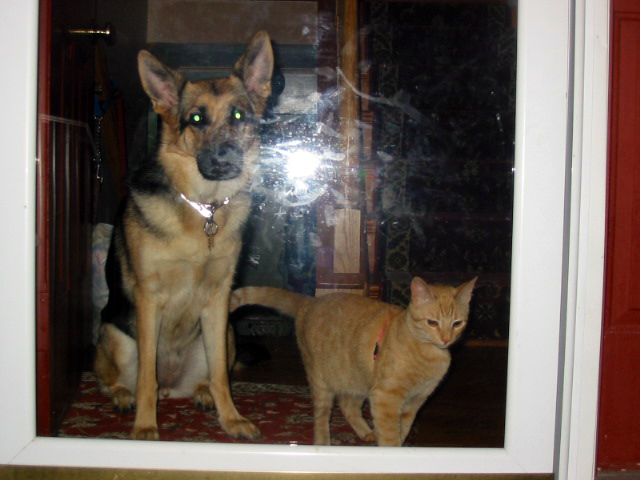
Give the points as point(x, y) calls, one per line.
point(284, 301)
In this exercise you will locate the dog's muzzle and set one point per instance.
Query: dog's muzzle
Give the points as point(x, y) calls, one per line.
point(220, 162)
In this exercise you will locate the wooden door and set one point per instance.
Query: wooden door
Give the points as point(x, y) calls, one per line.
point(64, 206)
point(619, 421)
point(342, 257)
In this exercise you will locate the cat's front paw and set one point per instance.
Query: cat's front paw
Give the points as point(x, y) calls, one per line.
point(386, 440)
point(145, 433)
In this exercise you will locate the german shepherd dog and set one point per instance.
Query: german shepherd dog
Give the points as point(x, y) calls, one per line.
point(176, 242)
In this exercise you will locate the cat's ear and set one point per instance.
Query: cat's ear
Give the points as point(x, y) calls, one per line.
point(420, 291)
point(463, 292)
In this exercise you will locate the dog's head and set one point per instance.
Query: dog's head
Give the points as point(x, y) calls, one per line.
point(209, 126)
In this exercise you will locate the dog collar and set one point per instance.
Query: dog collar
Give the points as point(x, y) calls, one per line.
point(207, 210)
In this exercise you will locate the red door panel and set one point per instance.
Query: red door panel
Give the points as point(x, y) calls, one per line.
point(619, 421)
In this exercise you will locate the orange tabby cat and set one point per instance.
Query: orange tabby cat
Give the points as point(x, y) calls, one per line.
point(355, 348)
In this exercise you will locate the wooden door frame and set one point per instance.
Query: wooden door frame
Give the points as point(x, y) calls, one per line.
point(43, 274)
point(64, 189)
point(341, 259)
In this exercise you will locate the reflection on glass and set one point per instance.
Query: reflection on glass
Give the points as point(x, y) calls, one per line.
point(423, 188)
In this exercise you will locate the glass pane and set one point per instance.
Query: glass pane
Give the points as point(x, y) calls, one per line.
point(386, 154)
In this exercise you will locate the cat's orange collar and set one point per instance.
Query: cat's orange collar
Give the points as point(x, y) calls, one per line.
point(381, 336)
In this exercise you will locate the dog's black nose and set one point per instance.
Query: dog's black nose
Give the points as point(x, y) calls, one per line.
point(225, 149)
point(220, 162)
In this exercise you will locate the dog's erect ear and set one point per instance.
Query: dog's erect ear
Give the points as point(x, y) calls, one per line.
point(255, 68)
point(161, 83)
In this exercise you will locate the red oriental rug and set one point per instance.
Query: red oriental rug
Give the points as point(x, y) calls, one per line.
point(283, 413)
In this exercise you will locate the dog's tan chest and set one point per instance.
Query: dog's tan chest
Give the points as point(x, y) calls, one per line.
point(183, 270)
point(188, 284)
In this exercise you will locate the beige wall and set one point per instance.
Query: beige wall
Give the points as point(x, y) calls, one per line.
point(218, 21)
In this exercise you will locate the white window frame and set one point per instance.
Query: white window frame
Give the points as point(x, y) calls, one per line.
point(556, 289)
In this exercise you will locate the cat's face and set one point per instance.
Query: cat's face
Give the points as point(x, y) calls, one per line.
point(438, 314)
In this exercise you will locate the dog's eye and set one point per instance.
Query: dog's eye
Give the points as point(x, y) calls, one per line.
point(196, 119)
point(237, 115)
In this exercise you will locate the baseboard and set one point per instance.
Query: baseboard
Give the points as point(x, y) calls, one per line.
point(618, 475)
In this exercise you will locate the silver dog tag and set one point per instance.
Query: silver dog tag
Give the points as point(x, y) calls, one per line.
point(210, 227)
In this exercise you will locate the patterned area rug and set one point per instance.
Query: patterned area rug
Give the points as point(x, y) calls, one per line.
point(282, 412)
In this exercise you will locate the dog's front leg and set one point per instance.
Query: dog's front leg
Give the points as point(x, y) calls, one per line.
point(145, 426)
point(214, 321)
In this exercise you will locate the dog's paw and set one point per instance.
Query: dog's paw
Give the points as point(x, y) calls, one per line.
point(203, 399)
point(241, 428)
point(123, 400)
point(145, 433)
point(369, 437)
